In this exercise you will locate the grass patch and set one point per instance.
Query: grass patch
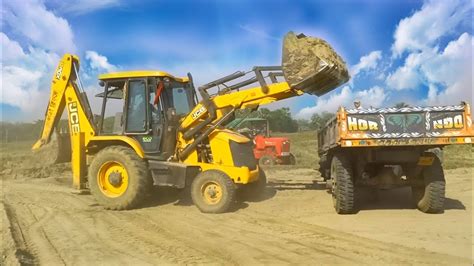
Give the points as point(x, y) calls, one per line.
point(458, 156)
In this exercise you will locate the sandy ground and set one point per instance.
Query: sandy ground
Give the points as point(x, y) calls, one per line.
point(44, 222)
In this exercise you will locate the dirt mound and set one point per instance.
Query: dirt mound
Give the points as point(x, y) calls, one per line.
point(19, 166)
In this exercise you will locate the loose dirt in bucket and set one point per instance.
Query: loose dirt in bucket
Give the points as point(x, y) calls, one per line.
point(302, 58)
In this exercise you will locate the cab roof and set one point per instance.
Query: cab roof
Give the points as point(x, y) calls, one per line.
point(141, 74)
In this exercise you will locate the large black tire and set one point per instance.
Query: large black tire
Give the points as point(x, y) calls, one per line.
point(430, 197)
point(254, 190)
point(139, 181)
point(342, 184)
point(213, 191)
point(266, 160)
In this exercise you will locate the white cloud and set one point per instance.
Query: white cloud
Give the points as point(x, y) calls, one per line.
point(424, 28)
point(99, 62)
point(408, 76)
point(27, 66)
point(20, 87)
point(11, 50)
point(367, 62)
point(41, 27)
point(374, 97)
point(449, 73)
point(446, 72)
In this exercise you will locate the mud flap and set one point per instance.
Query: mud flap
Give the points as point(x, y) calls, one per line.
point(311, 64)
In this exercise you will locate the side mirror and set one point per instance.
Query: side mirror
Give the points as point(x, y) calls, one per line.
point(101, 83)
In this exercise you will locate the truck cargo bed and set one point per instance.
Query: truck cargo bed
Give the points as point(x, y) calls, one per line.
point(436, 125)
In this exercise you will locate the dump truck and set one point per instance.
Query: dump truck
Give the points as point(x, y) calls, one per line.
point(391, 147)
point(267, 150)
point(161, 134)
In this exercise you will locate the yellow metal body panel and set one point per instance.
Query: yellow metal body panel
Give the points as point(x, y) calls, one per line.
point(222, 156)
point(248, 98)
point(240, 175)
point(141, 74)
point(133, 143)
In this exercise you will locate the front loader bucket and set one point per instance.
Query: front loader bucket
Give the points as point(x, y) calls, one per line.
point(311, 65)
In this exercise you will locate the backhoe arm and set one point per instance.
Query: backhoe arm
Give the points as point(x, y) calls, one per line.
point(67, 93)
point(57, 100)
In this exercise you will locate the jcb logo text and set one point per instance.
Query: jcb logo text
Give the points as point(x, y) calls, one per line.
point(74, 117)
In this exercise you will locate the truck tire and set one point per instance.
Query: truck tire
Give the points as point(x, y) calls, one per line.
point(430, 197)
point(266, 160)
point(118, 178)
point(342, 184)
point(213, 191)
point(255, 189)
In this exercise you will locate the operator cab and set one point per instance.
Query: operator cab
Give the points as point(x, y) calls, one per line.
point(147, 106)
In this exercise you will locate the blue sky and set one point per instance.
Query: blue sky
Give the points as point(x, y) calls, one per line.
point(419, 52)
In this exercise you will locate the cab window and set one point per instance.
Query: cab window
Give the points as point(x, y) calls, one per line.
point(136, 107)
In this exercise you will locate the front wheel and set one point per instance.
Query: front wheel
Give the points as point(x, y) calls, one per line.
point(118, 178)
point(213, 191)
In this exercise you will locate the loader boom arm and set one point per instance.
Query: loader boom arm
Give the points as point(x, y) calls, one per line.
point(216, 109)
point(309, 65)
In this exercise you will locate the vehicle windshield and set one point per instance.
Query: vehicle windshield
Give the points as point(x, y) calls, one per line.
point(181, 97)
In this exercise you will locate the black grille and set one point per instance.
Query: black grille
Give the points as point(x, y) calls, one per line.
point(242, 154)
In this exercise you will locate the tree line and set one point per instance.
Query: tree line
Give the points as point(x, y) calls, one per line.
point(280, 120)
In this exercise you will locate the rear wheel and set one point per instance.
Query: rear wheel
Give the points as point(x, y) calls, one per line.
point(266, 160)
point(430, 197)
point(213, 191)
point(118, 178)
point(342, 184)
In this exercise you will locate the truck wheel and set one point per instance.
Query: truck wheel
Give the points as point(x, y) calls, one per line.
point(118, 178)
point(342, 184)
point(213, 191)
point(266, 160)
point(255, 189)
point(430, 197)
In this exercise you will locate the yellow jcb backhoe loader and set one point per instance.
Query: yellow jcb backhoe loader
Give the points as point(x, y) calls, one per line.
point(162, 135)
